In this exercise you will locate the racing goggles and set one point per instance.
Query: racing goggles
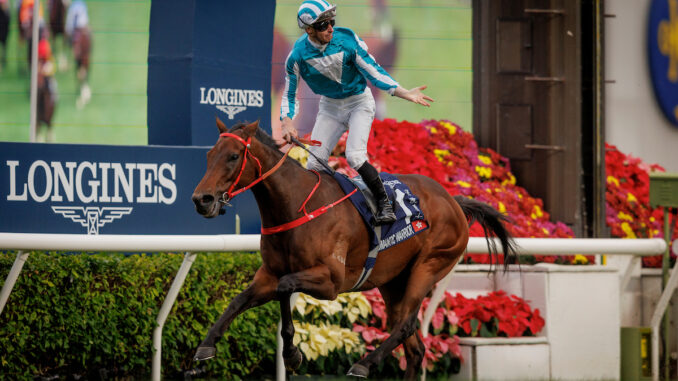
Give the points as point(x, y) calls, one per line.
point(323, 25)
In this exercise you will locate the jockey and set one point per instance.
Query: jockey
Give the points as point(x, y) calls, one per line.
point(26, 17)
point(335, 64)
point(46, 65)
point(76, 19)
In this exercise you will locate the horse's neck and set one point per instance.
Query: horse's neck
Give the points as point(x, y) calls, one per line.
point(281, 194)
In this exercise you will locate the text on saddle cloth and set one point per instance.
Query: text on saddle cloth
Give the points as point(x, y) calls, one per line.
point(410, 219)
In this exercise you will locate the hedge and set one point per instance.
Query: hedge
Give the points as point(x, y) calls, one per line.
point(93, 315)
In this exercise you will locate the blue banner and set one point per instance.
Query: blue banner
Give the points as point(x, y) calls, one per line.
point(100, 189)
point(662, 43)
point(207, 59)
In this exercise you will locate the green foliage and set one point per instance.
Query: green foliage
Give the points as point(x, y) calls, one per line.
point(77, 314)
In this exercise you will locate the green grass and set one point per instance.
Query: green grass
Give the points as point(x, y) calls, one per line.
point(435, 49)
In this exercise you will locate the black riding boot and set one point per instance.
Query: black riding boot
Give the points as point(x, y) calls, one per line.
point(371, 177)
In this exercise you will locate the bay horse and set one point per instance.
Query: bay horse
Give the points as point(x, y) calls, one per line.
point(82, 49)
point(4, 31)
point(325, 256)
point(57, 30)
point(46, 102)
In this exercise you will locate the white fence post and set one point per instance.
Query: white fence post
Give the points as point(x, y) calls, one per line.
point(171, 297)
point(13, 275)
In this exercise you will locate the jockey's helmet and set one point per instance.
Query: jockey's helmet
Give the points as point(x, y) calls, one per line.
point(312, 11)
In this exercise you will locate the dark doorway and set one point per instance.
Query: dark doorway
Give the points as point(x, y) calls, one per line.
point(528, 98)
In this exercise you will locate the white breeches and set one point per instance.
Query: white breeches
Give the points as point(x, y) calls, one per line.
point(335, 116)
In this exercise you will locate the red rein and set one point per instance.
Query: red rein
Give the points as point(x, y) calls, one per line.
point(229, 194)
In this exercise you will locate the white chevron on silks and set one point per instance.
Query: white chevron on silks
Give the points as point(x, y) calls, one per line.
point(329, 66)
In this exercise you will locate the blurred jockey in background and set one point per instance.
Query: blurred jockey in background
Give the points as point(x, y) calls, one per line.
point(78, 32)
point(76, 19)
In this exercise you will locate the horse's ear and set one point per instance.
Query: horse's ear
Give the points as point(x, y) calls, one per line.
point(251, 128)
point(222, 127)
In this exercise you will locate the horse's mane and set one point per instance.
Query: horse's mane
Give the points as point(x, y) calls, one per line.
point(263, 137)
point(260, 135)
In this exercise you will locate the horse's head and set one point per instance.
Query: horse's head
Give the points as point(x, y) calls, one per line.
point(225, 169)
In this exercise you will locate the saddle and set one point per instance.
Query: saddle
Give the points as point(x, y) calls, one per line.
point(409, 218)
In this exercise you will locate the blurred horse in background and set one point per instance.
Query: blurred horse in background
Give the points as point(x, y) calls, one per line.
point(82, 48)
point(47, 91)
point(57, 30)
point(4, 31)
point(26, 26)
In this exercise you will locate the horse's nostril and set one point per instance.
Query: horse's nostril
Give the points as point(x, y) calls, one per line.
point(203, 200)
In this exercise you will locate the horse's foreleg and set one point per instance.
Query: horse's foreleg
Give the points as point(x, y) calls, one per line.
point(291, 354)
point(315, 282)
point(260, 291)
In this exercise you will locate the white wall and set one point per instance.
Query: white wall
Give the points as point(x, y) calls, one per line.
point(634, 121)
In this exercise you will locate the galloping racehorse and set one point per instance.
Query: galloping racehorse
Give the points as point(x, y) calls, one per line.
point(325, 256)
point(57, 21)
point(46, 92)
point(4, 31)
point(82, 48)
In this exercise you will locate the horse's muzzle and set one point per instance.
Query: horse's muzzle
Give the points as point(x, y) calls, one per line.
point(207, 205)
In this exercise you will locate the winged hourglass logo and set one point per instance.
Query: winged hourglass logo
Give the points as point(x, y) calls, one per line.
point(92, 217)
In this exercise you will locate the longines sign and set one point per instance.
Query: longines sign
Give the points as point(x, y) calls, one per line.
point(231, 101)
point(87, 189)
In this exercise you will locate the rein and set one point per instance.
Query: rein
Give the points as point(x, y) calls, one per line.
point(229, 194)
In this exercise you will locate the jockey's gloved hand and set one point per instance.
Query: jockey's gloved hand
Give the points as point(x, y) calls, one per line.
point(288, 130)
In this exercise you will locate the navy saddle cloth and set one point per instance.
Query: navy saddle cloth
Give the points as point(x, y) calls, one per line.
point(410, 219)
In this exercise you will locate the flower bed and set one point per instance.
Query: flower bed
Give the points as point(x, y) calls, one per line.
point(627, 199)
point(448, 154)
point(331, 347)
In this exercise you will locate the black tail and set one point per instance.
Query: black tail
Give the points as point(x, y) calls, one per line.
point(493, 224)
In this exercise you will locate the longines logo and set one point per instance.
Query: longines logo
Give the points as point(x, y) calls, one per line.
point(231, 101)
point(92, 218)
point(92, 184)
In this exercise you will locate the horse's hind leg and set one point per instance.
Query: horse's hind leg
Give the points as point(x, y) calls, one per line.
point(401, 330)
point(260, 291)
point(414, 354)
point(405, 294)
point(402, 306)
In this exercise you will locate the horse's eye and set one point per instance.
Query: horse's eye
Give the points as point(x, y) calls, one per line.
point(234, 156)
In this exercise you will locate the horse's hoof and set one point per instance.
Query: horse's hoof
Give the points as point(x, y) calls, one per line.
point(358, 370)
point(204, 353)
point(294, 361)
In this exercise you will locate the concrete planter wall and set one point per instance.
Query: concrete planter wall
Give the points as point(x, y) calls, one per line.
point(581, 307)
point(505, 359)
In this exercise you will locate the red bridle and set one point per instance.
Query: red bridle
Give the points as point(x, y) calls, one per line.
point(229, 194)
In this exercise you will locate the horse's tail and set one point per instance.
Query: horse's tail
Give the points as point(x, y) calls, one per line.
point(492, 222)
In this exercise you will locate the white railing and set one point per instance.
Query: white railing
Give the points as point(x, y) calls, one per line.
point(190, 244)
